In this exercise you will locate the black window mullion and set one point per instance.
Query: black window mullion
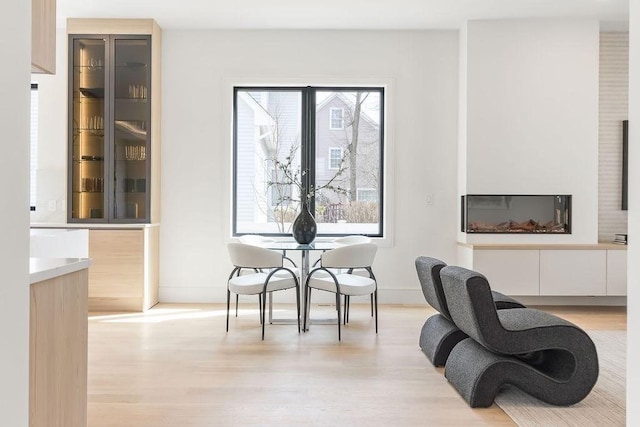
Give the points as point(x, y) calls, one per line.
point(235, 160)
point(304, 158)
point(381, 160)
point(308, 142)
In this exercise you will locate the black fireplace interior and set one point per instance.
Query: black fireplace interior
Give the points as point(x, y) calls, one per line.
point(516, 214)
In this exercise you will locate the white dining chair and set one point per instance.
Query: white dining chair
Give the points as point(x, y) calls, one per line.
point(255, 239)
point(349, 240)
point(352, 240)
point(324, 277)
point(261, 241)
point(269, 275)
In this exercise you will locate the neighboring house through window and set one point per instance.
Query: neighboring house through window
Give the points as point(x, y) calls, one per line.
point(367, 195)
point(335, 158)
point(336, 118)
point(280, 193)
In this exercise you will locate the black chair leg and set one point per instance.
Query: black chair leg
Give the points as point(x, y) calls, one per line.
point(338, 307)
point(375, 293)
point(298, 305)
point(306, 311)
point(371, 305)
point(237, 305)
point(228, 304)
point(264, 309)
point(345, 315)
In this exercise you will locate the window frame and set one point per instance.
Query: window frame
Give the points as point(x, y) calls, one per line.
point(331, 149)
point(331, 110)
point(359, 189)
point(308, 153)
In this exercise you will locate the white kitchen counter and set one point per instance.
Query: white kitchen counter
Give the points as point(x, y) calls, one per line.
point(59, 243)
point(93, 225)
point(41, 269)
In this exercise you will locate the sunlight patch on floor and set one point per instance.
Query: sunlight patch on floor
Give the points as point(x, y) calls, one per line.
point(158, 315)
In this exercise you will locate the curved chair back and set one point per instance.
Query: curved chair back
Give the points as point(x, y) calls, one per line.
point(428, 270)
point(470, 302)
point(254, 239)
point(352, 256)
point(250, 256)
point(352, 240)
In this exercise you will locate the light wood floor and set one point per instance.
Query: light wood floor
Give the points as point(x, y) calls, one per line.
point(176, 366)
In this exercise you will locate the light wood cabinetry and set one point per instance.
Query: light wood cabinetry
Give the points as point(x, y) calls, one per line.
point(124, 274)
point(548, 270)
point(43, 36)
point(114, 156)
point(58, 351)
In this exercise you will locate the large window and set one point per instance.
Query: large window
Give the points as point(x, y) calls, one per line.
point(322, 145)
point(336, 118)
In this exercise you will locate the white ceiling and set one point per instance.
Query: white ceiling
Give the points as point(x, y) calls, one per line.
point(339, 14)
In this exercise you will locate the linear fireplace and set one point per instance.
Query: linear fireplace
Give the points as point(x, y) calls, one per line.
point(516, 214)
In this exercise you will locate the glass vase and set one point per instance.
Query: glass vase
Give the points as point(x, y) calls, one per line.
point(304, 228)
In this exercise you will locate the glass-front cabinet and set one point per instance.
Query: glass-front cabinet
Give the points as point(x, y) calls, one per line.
point(109, 122)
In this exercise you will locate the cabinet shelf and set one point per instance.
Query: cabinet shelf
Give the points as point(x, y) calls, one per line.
point(92, 92)
point(132, 65)
point(88, 100)
point(92, 132)
point(132, 100)
point(134, 128)
point(89, 68)
point(89, 159)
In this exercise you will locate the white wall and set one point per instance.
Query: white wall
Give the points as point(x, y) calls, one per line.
point(532, 116)
point(633, 290)
point(199, 69)
point(421, 71)
point(51, 176)
point(15, 50)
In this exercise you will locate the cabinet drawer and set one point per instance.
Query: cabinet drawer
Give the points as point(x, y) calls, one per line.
point(116, 276)
point(573, 272)
point(510, 272)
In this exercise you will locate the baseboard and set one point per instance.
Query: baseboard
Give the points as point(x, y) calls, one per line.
point(210, 294)
point(573, 300)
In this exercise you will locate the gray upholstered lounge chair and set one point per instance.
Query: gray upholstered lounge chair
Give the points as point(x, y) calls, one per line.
point(439, 334)
point(541, 354)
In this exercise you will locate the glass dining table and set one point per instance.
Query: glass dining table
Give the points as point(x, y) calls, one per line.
point(304, 249)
